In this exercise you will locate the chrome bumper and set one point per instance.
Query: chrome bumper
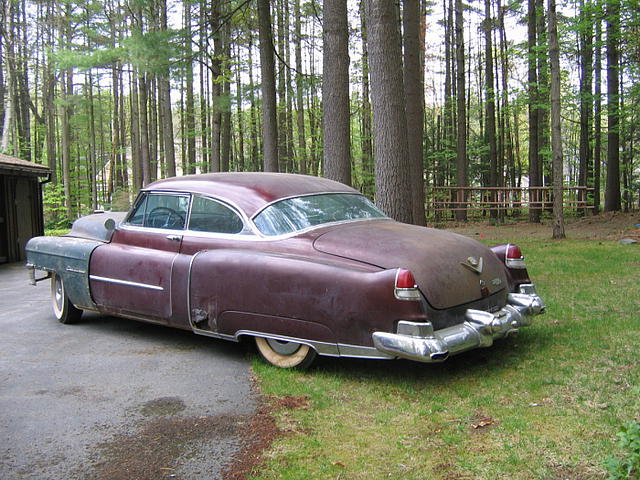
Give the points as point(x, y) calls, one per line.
point(418, 341)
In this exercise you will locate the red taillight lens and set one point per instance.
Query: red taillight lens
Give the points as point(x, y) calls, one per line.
point(405, 279)
point(514, 258)
point(406, 287)
point(513, 251)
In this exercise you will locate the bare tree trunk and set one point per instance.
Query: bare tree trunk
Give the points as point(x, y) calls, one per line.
point(225, 124)
point(165, 106)
point(335, 92)
point(270, 125)
point(461, 116)
point(414, 105)
point(586, 99)
point(532, 80)
point(368, 183)
point(490, 113)
point(189, 114)
point(612, 193)
point(254, 163)
point(597, 123)
point(302, 144)
point(556, 133)
point(393, 183)
point(216, 88)
point(144, 130)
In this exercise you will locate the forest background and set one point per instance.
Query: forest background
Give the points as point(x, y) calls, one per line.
point(394, 98)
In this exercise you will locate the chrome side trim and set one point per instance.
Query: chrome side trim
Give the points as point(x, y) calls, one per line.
point(359, 351)
point(418, 341)
point(125, 282)
point(75, 270)
point(323, 348)
point(209, 333)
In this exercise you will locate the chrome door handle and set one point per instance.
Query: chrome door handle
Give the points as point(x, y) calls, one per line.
point(174, 238)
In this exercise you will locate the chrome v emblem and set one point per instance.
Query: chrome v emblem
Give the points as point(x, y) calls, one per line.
point(474, 264)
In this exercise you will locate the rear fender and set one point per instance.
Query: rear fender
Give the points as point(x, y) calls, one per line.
point(515, 276)
point(232, 291)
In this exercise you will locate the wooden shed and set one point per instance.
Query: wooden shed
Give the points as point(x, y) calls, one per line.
point(21, 214)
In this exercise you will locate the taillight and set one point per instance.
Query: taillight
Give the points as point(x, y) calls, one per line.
point(406, 287)
point(514, 258)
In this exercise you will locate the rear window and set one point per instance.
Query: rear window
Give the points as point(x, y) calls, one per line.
point(299, 213)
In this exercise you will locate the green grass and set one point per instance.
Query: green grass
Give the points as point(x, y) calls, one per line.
point(555, 396)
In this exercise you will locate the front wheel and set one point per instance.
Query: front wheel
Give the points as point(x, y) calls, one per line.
point(285, 354)
point(65, 311)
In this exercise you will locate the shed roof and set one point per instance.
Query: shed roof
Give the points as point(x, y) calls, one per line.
point(14, 164)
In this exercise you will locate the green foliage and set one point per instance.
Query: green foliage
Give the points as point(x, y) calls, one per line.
point(55, 213)
point(627, 467)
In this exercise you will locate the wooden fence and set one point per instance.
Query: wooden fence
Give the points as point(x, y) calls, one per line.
point(442, 202)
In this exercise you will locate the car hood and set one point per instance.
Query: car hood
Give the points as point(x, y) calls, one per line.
point(441, 262)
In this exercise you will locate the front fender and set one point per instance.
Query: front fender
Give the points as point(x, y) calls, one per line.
point(69, 258)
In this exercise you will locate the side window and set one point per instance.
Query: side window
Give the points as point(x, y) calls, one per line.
point(137, 215)
point(160, 211)
point(210, 216)
point(167, 211)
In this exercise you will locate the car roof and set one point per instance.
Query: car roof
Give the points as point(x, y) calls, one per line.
point(250, 191)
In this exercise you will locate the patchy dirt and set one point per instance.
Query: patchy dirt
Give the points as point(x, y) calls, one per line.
point(155, 449)
point(259, 434)
point(606, 226)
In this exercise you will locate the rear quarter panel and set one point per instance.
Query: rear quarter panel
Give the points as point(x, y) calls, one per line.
point(310, 298)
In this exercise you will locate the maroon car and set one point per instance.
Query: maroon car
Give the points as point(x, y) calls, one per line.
point(305, 266)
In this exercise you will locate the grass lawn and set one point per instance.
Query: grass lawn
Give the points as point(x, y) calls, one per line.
point(544, 404)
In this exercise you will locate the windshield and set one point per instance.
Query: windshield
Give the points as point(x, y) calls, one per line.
point(294, 214)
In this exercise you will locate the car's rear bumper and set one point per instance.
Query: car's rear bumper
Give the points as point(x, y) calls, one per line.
point(418, 341)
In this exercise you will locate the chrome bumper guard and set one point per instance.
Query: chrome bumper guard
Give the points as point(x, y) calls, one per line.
point(418, 341)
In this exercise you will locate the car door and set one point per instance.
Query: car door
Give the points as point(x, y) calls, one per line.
point(213, 226)
point(132, 275)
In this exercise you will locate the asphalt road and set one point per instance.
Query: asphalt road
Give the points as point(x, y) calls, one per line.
point(112, 398)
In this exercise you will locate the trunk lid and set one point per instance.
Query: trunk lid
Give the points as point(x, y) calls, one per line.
point(450, 269)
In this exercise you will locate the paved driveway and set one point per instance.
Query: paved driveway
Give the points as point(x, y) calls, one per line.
point(112, 398)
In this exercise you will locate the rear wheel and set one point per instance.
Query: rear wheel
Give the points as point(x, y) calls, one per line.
point(65, 311)
point(285, 354)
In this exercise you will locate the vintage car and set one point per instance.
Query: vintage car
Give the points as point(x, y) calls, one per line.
point(303, 266)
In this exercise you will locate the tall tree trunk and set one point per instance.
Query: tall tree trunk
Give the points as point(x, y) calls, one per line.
point(556, 133)
point(335, 92)
point(254, 163)
point(490, 112)
point(302, 144)
point(144, 129)
point(225, 124)
point(532, 81)
point(597, 114)
point(368, 182)
point(216, 87)
point(586, 99)
point(136, 155)
point(612, 192)
point(414, 104)
point(461, 116)
point(393, 183)
point(269, 122)
point(189, 114)
point(165, 106)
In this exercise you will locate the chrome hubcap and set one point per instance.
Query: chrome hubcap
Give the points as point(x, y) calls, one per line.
point(282, 347)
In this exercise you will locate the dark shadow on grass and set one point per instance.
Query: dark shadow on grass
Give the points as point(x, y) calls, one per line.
point(503, 355)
